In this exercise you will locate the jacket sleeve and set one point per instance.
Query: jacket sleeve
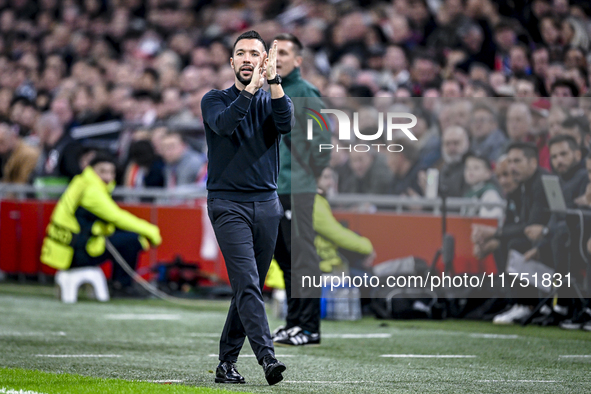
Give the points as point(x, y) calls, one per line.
point(510, 229)
point(283, 116)
point(328, 227)
point(26, 166)
point(101, 204)
point(223, 119)
point(539, 212)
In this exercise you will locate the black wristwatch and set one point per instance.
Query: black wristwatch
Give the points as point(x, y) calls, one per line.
point(276, 80)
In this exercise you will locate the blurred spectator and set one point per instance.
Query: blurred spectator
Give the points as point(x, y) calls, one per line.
point(145, 168)
point(405, 168)
point(487, 139)
point(528, 205)
point(429, 140)
point(504, 177)
point(578, 129)
point(478, 177)
point(556, 117)
point(183, 166)
point(454, 144)
point(369, 174)
point(18, 159)
point(483, 236)
point(59, 152)
point(564, 93)
point(566, 159)
point(520, 128)
point(525, 218)
point(519, 122)
point(424, 70)
point(553, 242)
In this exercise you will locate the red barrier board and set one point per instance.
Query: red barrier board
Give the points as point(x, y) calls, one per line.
point(184, 233)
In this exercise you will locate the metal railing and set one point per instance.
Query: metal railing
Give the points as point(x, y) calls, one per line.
point(155, 195)
point(187, 194)
point(403, 203)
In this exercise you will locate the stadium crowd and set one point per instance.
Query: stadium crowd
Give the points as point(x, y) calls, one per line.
point(500, 90)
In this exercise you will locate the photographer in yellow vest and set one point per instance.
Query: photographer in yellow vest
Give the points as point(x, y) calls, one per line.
point(85, 216)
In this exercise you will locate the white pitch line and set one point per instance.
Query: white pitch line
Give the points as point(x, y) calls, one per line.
point(206, 334)
point(357, 336)
point(517, 381)
point(326, 381)
point(494, 336)
point(576, 356)
point(252, 355)
point(427, 356)
point(164, 381)
point(4, 390)
point(78, 355)
point(134, 316)
point(31, 334)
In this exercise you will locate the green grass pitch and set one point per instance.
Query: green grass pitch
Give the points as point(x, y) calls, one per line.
point(154, 347)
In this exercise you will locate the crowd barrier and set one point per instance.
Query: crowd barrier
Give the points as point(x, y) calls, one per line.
point(186, 232)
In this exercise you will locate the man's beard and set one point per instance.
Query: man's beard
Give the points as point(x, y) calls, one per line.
point(243, 80)
point(451, 159)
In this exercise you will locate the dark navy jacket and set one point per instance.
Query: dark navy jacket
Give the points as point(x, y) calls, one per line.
point(243, 132)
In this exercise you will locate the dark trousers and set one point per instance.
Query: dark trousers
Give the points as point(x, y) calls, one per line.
point(296, 254)
point(246, 233)
point(126, 243)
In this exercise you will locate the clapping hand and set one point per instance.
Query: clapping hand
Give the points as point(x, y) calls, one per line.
point(258, 75)
point(271, 61)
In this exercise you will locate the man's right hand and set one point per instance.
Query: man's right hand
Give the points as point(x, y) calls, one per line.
point(259, 75)
point(155, 238)
point(482, 233)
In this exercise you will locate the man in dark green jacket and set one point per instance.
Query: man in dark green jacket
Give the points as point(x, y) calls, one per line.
point(301, 165)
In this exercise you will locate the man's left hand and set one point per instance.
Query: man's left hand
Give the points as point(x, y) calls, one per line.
point(271, 61)
point(534, 232)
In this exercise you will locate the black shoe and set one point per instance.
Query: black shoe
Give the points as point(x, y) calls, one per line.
point(577, 322)
point(554, 319)
point(273, 370)
point(226, 373)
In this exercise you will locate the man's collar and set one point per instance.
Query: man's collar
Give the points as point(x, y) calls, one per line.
point(294, 75)
point(530, 180)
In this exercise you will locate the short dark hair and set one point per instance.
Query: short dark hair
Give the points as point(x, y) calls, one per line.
point(580, 122)
point(484, 86)
point(176, 133)
point(102, 157)
point(529, 150)
point(249, 35)
point(410, 151)
point(474, 155)
point(485, 107)
point(557, 139)
point(564, 82)
point(291, 38)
